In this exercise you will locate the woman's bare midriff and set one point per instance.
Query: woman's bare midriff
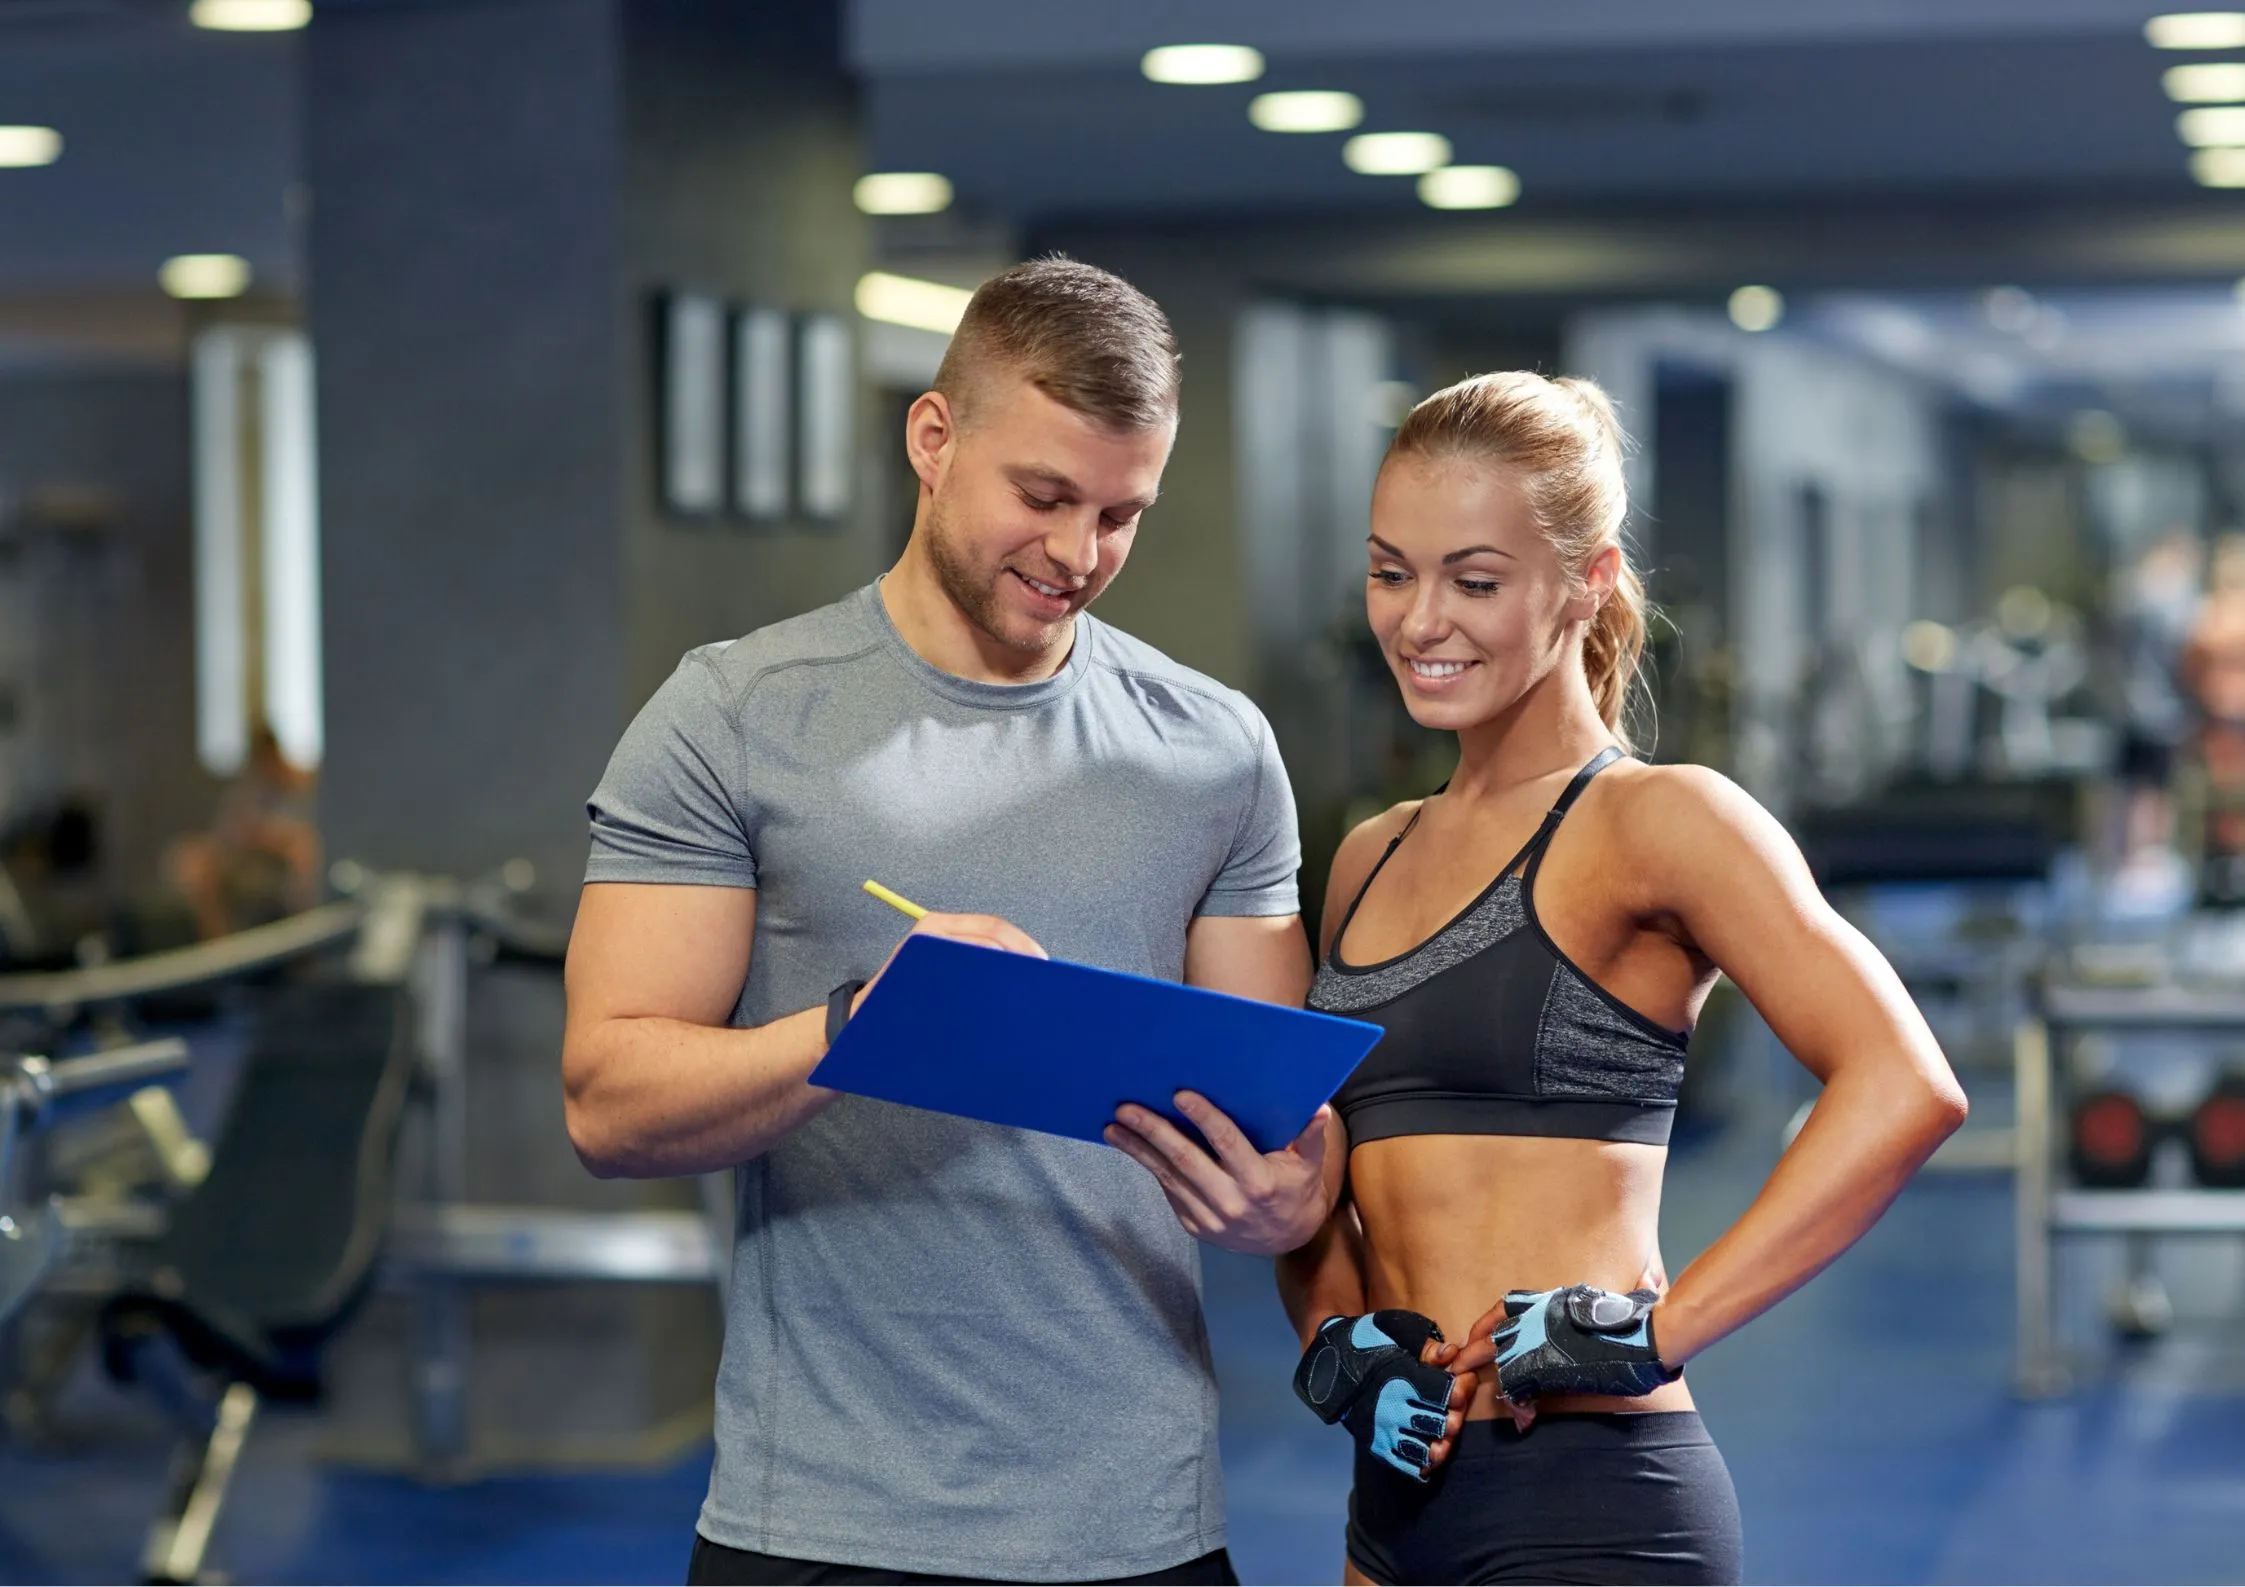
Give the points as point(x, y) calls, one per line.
point(1451, 1222)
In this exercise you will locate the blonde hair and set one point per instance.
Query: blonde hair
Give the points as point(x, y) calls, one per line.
point(1564, 439)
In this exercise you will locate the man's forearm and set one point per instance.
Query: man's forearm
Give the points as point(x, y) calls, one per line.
point(651, 1098)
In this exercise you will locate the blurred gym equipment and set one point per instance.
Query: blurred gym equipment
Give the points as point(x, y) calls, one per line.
point(2138, 1210)
point(33, 1092)
point(2216, 1133)
point(269, 1256)
point(2110, 1142)
point(414, 940)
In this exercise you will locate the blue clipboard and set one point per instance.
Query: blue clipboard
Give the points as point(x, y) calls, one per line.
point(1043, 1044)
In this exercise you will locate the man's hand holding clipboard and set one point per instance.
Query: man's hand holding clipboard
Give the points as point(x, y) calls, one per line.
point(1241, 1199)
point(1230, 1193)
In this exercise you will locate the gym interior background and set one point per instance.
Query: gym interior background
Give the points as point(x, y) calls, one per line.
point(390, 391)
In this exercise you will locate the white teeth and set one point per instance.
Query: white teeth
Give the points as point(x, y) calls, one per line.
point(1437, 669)
point(1044, 589)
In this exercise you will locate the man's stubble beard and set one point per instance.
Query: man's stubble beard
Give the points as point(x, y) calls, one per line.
point(978, 597)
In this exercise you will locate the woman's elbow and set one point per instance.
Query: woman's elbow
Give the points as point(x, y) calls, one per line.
point(1941, 1108)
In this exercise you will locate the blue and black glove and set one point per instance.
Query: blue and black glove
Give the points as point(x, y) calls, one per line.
point(1578, 1340)
point(1366, 1372)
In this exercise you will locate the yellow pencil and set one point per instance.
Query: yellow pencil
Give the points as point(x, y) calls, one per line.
point(895, 900)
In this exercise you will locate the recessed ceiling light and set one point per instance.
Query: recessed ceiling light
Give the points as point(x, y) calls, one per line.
point(906, 300)
point(1202, 63)
point(2196, 30)
point(27, 146)
point(2205, 83)
point(1396, 153)
point(2212, 126)
point(1469, 187)
point(1306, 110)
point(205, 275)
point(902, 193)
point(1756, 308)
point(250, 16)
point(2218, 167)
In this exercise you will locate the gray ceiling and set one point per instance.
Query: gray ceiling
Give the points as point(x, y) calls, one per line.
point(1949, 118)
point(1035, 108)
point(174, 141)
point(182, 141)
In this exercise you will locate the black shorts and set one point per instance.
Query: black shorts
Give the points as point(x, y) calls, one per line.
point(1621, 1497)
point(715, 1565)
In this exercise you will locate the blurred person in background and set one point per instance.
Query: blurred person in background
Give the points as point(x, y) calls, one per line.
point(1508, 1137)
point(2153, 617)
point(2213, 672)
point(260, 858)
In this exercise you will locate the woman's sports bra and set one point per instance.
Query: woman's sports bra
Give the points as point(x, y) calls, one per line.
point(1491, 1030)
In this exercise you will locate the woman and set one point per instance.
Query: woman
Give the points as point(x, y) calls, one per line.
point(1537, 938)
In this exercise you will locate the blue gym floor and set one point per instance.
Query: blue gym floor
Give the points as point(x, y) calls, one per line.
point(1869, 1423)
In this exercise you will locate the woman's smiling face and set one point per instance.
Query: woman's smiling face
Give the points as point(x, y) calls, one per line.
point(1469, 601)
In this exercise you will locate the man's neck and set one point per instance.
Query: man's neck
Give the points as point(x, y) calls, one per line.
point(944, 637)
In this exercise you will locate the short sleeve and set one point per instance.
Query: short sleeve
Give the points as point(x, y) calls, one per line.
point(669, 808)
point(1259, 873)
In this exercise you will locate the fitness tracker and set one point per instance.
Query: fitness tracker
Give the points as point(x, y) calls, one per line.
point(838, 1008)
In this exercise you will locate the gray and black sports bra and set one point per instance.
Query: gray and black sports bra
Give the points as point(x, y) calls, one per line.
point(1491, 1030)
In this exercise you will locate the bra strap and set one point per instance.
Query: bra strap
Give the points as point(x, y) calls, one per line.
point(1542, 840)
point(1387, 854)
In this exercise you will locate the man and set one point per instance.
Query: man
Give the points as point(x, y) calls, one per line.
point(953, 1350)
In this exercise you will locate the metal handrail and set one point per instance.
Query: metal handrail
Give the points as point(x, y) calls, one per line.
point(240, 953)
point(117, 1066)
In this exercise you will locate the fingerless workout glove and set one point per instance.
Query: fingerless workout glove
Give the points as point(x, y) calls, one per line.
point(1578, 1340)
point(1366, 1372)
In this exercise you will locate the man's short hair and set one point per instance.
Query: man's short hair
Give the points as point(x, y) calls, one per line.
point(1087, 339)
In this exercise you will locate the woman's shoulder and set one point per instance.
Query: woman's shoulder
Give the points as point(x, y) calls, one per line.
point(1688, 816)
point(1368, 838)
point(1358, 853)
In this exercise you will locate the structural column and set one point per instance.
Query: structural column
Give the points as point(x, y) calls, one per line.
point(499, 190)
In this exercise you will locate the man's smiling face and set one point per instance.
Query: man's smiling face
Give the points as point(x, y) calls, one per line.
point(1032, 510)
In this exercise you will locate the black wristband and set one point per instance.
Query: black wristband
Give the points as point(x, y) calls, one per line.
point(838, 1008)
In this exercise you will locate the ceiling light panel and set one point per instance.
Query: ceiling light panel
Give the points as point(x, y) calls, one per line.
point(205, 275)
point(2205, 83)
point(2218, 167)
point(1306, 110)
point(2197, 30)
point(1469, 187)
point(250, 16)
point(903, 193)
point(905, 300)
point(1202, 63)
point(28, 146)
point(2212, 126)
point(1396, 153)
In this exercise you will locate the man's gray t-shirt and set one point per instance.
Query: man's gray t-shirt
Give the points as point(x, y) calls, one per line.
point(953, 1347)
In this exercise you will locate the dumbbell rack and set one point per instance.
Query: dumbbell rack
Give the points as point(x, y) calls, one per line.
point(2045, 1211)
